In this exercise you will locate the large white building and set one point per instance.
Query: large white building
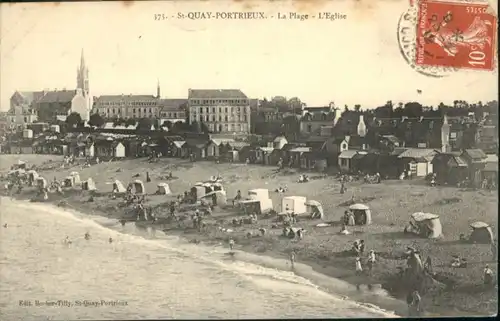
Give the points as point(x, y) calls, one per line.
point(221, 110)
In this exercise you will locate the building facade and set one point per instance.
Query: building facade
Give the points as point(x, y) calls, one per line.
point(23, 108)
point(172, 110)
point(128, 106)
point(221, 110)
point(315, 118)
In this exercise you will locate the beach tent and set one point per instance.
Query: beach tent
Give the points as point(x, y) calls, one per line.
point(261, 195)
point(89, 185)
point(362, 214)
point(163, 189)
point(68, 181)
point(481, 233)
point(251, 207)
point(20, 165)
point(295, 204)
point(426, 225)
point(138, 186)
point(76, 178)
point(315, 209)
point(217, 197)
point(41, 182)
point(118, 187)
point(198, 191)
point(32, 176)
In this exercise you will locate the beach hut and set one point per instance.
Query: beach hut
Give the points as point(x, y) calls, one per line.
point(315, 209)
point(261, 195)
point(89, 185)
point(295, 204)
point(68, 181)
point(425, 225)
point(76, 178)
point(217, 197)
point(481, 233)
point(138, 186)
point(163, 189)
point(118, 187)
point(32, 176)
point(198, 191)
point(250, 207)
point(362, 214)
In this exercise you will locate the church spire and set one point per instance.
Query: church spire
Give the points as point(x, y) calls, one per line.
point(82, 61)
point(158, 88)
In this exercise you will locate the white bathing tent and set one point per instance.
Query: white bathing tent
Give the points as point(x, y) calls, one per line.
point(163, 189)
point(76, 177)
point(89, 185)
point(261, 195)
point(315, 209)
point(118, 187)
point(138, 186)
point(295, 204)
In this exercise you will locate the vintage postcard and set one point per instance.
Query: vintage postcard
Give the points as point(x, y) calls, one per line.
point(248, 159)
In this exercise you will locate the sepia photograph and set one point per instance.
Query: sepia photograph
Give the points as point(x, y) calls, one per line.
point(248, 159)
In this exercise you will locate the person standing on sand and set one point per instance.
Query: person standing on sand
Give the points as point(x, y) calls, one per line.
point(148, 179)
point(359, 268)
point(292, 259)
point(231, 243)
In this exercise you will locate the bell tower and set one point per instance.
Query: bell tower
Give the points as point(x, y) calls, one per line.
point(82, 77)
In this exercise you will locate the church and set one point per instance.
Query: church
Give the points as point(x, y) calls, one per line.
point(52, 105)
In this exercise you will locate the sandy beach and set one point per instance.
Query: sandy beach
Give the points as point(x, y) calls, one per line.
point(459, 292)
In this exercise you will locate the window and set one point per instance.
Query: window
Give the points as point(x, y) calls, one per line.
point(134, 110)
point(220, 118)
point(343, 162)
point(226, 110)
point(226, 118)
point(207, 110)
point(244, 118)
point(175, 115)
point(206, 118)
point(213, 110)
point(25, 119)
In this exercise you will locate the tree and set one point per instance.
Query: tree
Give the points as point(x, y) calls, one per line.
point(74, 119)
point(168, 124)
point(204, 128)
point(196, 127)
point(144, 124)
point(130, 122)
point(96, 120)
point(357, 108)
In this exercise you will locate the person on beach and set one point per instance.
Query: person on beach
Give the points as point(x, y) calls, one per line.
point(359, 268)
point(416, 304)
point(67, 241)
point(371, 260)
point(148, 179)
point(488, 276)
point(110, 240)
point(292, 259)
point(362, 246)
point(5, 225)
point(231, 244)
point(87, 236)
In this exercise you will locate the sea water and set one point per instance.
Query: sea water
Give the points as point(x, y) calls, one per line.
point(141, 274)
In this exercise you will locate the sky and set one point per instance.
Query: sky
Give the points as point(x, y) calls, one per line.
point(351, 61)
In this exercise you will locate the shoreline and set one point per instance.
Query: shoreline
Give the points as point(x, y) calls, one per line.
point(382, 302)
point(320, 250)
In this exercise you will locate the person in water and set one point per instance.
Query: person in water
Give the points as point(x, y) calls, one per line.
point(5, 225)
point(67, 241)
point(87, 236)
point(110, 240)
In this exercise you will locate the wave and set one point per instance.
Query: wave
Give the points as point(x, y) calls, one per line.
point(250, 268)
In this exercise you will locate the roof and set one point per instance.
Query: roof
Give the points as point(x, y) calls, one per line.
point(196, 143)
point(216, 93)
point(171, 104)
point(398, 151)
point(359, 156)
point(491, 167)
point(417, 153)
point(491, 158)
point(27, 97)
point(278, 138)
point(218, 141)
point(179, 144)
point(266, 149)
point(317, 109)
point(348, 154)
point(359, 206)
point(393, 139)
point(62, 96)
point(479, 225)
point(238, 145)
point(114, 98)
point(457, 161)
point(318, 116)
point(420, 216)
point(475, 153)
point(300, 150)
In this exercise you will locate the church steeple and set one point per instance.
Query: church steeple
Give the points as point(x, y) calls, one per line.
point(158, 89)
point(82, 76)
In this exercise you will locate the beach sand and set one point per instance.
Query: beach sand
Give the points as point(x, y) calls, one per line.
point(392, 202)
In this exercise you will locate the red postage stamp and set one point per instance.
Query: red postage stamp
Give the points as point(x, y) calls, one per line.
point(459, 35)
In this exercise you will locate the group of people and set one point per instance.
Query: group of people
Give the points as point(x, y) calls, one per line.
point(86, 236)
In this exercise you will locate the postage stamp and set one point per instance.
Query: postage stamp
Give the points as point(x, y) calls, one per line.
point(457, 35)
